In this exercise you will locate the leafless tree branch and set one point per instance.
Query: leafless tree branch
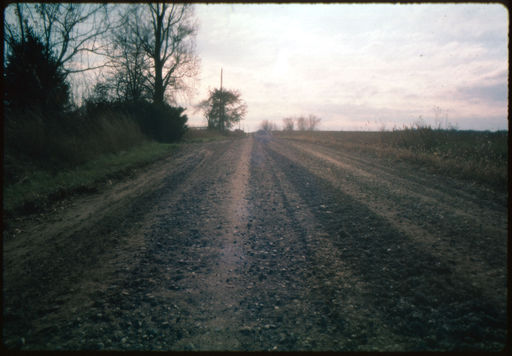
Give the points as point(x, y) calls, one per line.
point(65, 29)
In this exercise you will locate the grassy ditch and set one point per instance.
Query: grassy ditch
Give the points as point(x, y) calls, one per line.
point(48, 155)
point(61, 165)
point(474, 156)
point(40, 187)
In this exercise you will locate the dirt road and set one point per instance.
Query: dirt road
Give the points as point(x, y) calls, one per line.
point(262, 244)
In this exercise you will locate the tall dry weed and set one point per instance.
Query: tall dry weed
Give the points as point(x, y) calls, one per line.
point(59, 143)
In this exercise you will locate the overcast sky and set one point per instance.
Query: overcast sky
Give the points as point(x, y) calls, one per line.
point(358, 67)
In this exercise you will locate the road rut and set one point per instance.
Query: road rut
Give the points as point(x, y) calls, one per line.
point(262, 244)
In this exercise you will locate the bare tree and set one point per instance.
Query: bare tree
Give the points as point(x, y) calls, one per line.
point(128, 60)
point(312, 122)
point(166, 33)
point(67, 31)
point(301, 123)
point(269, 126)
point(288, 124)
point(309, 123)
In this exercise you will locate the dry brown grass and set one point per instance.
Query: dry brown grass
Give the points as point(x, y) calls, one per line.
point(470, 155)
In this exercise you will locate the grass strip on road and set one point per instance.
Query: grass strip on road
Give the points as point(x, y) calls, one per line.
point(40, 186)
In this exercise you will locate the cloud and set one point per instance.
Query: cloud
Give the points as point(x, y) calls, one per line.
point(495, 93)
point(356, 63)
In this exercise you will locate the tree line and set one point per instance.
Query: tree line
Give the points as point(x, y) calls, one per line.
point(145, 51)
point(143, 56)
point(300, 123)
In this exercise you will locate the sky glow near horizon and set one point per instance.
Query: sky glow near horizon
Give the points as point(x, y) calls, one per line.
point(358, 67)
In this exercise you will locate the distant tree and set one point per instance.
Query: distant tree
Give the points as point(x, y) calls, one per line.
point(288, 124)
point(268, 126)
point(312, 122)
point(223, 109)
point(309, 123)
point(33, 76)
point(301, 123)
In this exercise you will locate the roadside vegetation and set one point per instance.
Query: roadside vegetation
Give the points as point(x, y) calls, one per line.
point(40, 187)
point(480, 157)
point(55, 145)
point(299, 123)
point(42, 165)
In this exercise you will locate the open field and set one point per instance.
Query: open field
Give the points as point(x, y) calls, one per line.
point(469, 155)
point(267, 242)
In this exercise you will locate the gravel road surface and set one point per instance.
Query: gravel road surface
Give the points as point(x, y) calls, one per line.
point(262, 244)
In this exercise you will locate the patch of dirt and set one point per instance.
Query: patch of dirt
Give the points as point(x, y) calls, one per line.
point(262, 244)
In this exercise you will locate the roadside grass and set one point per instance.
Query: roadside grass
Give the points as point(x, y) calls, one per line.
point(34, 142)
point(50, 155)
point(41, 186)
point(474, 156)
point(68, 165)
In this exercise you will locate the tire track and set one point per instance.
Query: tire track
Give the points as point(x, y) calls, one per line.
point(446, 190)
point(451, 201)
point(103, 250)
point(222, 285)
point(177, 297)
point(481, 262)
point(256, 245)
point(282, 314)
point(418, 294)
point(337, 315)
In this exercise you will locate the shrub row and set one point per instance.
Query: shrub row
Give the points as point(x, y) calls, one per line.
point(159, 122)
point(65, 140)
